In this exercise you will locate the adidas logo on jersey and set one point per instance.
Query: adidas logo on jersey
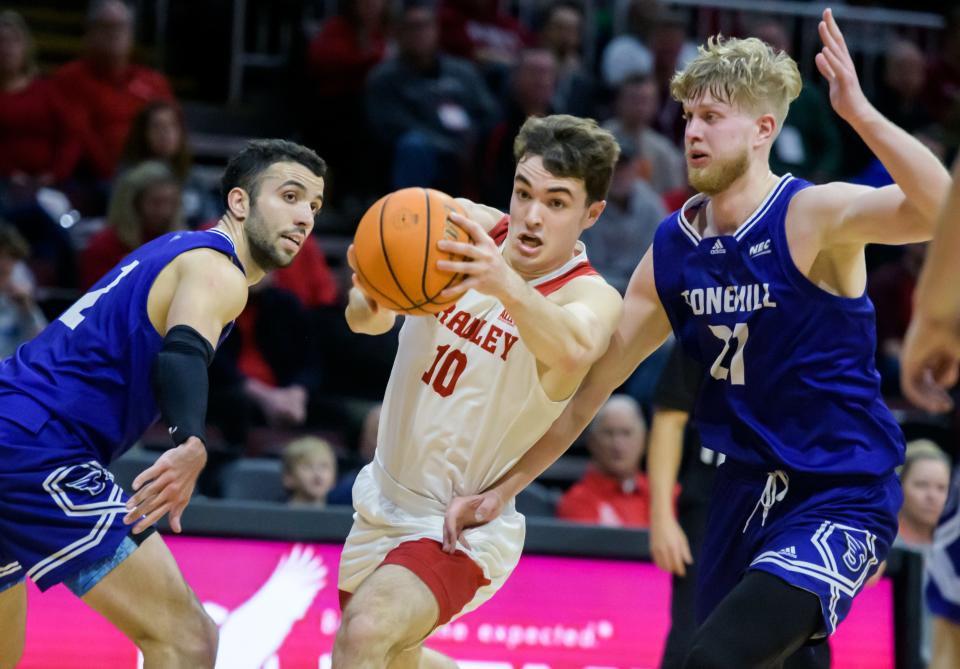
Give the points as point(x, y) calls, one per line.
point(505, 317)
point(789, 551)
point(717, 248)
point(760, 249)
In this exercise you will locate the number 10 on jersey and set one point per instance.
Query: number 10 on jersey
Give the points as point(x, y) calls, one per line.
point(443, 376)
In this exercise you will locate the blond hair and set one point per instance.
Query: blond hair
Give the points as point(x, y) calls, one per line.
point(122, 213)
point(745, 73)
point(299, 450)
point(921, 449)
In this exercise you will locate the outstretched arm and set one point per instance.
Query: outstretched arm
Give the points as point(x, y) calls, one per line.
point(852, 214)
point(209, 292)
point(643, 327)
point(931, 349)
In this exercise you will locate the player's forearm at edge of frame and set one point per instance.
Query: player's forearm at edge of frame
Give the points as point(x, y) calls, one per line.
point(936, 296)
point(913, 167)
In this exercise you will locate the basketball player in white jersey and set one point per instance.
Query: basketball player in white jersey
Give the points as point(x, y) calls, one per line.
point(804, 506)
point(929, 365)
point(471, 389)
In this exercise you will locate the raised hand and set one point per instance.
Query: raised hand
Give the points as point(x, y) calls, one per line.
point(836, 66)
point(166, 486)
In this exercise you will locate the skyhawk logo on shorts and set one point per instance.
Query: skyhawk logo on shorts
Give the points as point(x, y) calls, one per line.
point(856, 555)
point(717, 248)
point(92, 482)
point(760, 249)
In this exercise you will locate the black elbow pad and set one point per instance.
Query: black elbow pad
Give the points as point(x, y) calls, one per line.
point(180, 382)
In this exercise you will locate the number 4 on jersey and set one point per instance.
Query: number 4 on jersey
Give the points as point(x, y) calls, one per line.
point(448, 373)
point(736, 372)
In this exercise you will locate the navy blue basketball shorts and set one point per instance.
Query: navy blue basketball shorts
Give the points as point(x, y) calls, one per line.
point(810, 531)
point(943, 565)
point(61, 514)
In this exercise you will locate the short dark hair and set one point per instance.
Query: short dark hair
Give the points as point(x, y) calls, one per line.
point(571, 147)
point(12, 243)
point(245, 168)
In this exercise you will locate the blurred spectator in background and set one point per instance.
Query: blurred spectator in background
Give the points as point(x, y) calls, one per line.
point(340, 57)
point(533, 84)
point(925, 477)
point(309, 471)
point(614, 491)
point(660, 162)
point(618, 240)
point(366, 447)
point(265, 371)
point(479, 31)
point(890, 288)
point(943, 76)
point(628, 54)
point(40, 149)
point(20, 318)
point(104, 89)
point(158, 133)
point(562, 35)
point(427, 108)
point(808, 145)
point(145, 204)
point(671, 52)
point(899, 97)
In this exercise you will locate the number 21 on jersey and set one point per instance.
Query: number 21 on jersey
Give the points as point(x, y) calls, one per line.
point(736, 372)
point(445, 370)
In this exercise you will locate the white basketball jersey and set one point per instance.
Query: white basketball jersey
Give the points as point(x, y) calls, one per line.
point(464, 400)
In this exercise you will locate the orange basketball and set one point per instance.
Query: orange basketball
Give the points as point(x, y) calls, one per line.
point(397, 254)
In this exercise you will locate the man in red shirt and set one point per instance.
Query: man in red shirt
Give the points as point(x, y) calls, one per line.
point(613, 492)
point(104, 89)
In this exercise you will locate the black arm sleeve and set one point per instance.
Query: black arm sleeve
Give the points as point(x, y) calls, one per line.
point(180, 382)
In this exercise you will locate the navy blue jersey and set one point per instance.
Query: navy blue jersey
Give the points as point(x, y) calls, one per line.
point(789, 375)
point(91, 368)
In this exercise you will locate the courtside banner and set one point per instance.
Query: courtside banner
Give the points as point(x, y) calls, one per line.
point(276, 605)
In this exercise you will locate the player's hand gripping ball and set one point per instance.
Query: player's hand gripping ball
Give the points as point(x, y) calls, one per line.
point(396, 250)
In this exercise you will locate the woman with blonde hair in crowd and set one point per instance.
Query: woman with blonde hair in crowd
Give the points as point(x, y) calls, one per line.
point(159, 132)
point(145, 204)
point(925, 477)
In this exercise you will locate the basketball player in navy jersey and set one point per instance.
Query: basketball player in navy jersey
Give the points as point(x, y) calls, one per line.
point(929, 368)
point(134, 348)
point(761, 278)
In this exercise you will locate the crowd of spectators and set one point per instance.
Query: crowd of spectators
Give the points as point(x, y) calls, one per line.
point(96, 160)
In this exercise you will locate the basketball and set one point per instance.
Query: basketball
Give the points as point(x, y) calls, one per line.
point(396, 250)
